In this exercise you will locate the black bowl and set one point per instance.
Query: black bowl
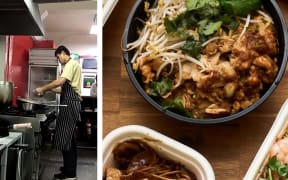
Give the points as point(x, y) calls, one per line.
point(130, 35)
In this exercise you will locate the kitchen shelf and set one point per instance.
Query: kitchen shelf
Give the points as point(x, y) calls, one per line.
point(84, 140)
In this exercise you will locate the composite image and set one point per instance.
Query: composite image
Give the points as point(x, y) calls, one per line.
point(143, 90)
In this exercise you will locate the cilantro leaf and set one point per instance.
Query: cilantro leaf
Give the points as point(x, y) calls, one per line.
point(178, 25)
point(229, 21)
point(195, 4)
point(160, 88)
point(239, 7)
point(191, 47)
point(176, 105)
point(188, 19)
point(209, 27)
point(282, 170)
point(207, 11)
point(275, 165)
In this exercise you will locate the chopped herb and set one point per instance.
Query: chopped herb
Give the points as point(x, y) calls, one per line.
point(207, 11)
point(195, 4)
point(178, 25)
point(208, 28)
point(160, 88)
point(207, 16)
point(191, 47)
point(283, 170)
point(275, 165)
point(239, 7)
point(176, 105)
point(229, 21)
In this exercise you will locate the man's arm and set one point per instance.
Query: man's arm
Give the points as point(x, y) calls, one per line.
point(54, 84)
point(56, 90)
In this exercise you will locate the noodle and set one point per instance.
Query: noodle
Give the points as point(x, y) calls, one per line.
point(137, 160)
point(242, 56)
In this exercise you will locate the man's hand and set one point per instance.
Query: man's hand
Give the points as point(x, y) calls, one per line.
point(39, 91)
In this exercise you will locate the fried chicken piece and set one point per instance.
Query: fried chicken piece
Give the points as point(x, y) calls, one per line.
point(269, 66)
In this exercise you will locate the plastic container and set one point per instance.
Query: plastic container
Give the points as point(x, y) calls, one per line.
point(131, 34)
point(163, 145)
point(108, 6)
point(279, 126)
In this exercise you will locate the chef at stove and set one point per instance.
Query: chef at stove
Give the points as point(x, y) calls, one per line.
point(69, 84)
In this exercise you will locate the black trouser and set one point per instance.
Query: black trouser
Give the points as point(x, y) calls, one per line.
point(70, 159)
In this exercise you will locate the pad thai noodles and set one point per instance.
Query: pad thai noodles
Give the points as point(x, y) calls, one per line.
point(205, 58)
point(136, 160)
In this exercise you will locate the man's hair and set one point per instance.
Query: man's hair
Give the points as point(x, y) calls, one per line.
point(60, 49)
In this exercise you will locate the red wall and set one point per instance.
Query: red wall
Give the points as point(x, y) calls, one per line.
point(16, 61)
point(16, 67)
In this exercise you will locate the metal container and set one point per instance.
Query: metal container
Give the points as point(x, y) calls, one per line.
point(34, 105)
point(25, 106)
point(6, 94)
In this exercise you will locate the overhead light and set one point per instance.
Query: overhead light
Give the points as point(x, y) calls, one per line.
point(93, 29)
point(44, 15)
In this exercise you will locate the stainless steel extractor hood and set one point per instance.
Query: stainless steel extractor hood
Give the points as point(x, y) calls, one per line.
point(20, 17)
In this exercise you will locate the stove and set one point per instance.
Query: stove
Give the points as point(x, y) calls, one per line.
point(31, 136)
point(15, 111)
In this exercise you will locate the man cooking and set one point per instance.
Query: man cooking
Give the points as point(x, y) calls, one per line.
point(69, 84)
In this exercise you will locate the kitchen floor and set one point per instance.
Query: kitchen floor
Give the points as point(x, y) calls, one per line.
point(51, 161)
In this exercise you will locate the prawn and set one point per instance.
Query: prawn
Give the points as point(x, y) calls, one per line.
point(280, 149)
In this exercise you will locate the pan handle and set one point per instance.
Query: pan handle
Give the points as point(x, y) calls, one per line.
point(55, 105)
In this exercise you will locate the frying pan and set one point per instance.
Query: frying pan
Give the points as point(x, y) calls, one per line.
point(30, 104)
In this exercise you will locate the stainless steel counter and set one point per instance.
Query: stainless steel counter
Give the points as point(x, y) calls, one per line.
point(32, 137)
point(14, 137)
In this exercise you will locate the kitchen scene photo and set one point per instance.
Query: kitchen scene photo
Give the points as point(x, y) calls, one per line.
point(48, 90)
point(195, 89)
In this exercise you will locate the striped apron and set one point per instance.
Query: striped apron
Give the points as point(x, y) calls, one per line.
point(67, 117)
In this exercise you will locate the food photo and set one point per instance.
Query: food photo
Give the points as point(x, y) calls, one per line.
point(214, 61)
point(48, 66)
point(210, 75)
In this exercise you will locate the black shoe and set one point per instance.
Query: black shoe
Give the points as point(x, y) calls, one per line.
point(62, 176)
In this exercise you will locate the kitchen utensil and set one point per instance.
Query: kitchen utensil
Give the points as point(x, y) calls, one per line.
point(27, 104)
point(5, 126)
point(131, 33)
point(6, 94)
point(55, 105)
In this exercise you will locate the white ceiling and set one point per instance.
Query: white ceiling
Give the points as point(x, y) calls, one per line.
point(70, 23)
